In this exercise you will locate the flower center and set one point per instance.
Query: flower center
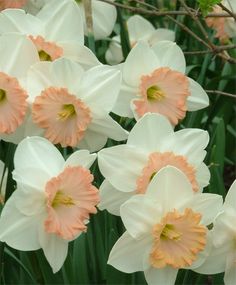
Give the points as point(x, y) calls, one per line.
point(63, 116)
point(170, 232)
point(2, 95)
point(164, 91)
point(67, 112)
point(157, 161)
point(68, 209)
point(48, 51)
point(177, 239)
point(43, 56)
point(154, 93)
point(62, 199)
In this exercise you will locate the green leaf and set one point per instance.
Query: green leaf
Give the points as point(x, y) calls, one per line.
point(206, 6)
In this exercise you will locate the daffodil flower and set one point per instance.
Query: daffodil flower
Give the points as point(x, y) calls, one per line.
point(222, 257)
point(138, 29)
point(52, 202)
point(166, 229)
point(56, 31)
point(72, 106)
point(154, 81)
point(152, 144)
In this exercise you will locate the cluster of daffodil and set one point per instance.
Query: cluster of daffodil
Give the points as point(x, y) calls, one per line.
point(54, 91)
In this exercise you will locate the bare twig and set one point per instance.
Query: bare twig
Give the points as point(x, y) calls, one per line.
point(217, 92)
point(218, 49)
point(228, 11)
point(163, 13)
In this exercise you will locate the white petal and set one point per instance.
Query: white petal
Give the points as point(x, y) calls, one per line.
point(231, 196)
point(38, 152)
point(150, 132)
point(216, 261)
point(100, 87)
point(111, 198)
point(127, 254)
point(92, 141)
point(170, 55)
point(203, 176)
point(55, 249)
point(122, 165)
point(19, 54)
point(16, 229)
point(32, 177)
point(161, 35)
point(230, 272)
point(105, 125)
point(166, 275)
point(198, 98)
point(191, 144)
point(16, 20)
point(114, 53)
point(209, 205)
point(122, 105)
point(79, 53)
point(139, 214)
point(62, 21)
point(104, 18)
point(170, 187)
point(139, 27)
point(140, 61)
point(39, 78)
point(67, 74)
point(82, 158)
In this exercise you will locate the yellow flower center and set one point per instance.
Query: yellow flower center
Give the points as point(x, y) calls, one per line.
point(170, 232)
point(62, 199)
point(67, 112)
point(43, 56)
point(3, 95)
point(154, 93)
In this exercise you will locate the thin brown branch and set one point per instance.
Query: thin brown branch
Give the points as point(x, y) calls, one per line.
point(228, 11)
point(217, 92)
point(163, 13)
point(194, 16)
point(218, 49)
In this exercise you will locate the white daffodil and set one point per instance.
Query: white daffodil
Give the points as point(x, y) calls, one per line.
point(18, 54)
point(138, 29)
point(166, 229)
point(72, 105)
point(104, 18)
point(154, 81)
point(223, 254)
point(52, 202)
point(56, 31)
point(152, 144)
point(225, 26)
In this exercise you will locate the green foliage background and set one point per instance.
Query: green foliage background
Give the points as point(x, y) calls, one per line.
point(87, 259)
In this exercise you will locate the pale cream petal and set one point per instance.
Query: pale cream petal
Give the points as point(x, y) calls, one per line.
point(170, 55)
point(38, 152)
point(140, 61)
point(139, 214)
point(171, 188)
point(127, 254)
point(150, 132)
point(111, 198)
point(121, 165)
point(198, 98)
point(82, 158)
point(155, 276)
